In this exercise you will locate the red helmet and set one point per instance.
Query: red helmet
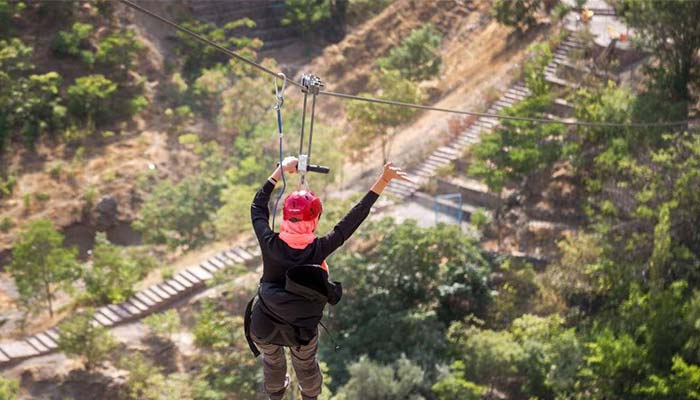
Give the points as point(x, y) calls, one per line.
point(301, 205)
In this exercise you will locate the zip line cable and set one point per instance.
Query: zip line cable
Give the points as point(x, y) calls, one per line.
point(568, 122)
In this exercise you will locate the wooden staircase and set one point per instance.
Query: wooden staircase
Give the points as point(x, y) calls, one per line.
point(141, 304)
point(445, 155)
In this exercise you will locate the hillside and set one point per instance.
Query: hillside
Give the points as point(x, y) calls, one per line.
point(526, 259)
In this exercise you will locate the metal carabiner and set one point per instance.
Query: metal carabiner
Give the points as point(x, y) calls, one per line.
point(279, 94)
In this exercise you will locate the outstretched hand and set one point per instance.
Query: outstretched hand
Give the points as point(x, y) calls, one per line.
point(391, 172)
point(289, 164)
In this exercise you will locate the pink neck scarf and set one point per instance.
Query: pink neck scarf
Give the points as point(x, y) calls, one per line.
point(300, 234)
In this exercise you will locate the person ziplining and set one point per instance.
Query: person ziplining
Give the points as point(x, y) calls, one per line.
point(295, 287)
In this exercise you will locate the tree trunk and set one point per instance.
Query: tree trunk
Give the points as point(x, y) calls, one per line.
point(47, 288)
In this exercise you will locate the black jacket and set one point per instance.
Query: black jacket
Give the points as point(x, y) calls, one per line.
point(293, 290)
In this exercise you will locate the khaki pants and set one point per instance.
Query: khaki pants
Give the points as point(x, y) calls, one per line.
point(304, 363)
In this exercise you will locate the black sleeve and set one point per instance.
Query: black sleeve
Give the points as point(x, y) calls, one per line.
point(259, 212)
point(347, 226)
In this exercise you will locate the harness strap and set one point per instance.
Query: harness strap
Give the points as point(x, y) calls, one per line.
point(246, 327)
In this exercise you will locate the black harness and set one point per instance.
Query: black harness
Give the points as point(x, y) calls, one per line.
point(307, 284)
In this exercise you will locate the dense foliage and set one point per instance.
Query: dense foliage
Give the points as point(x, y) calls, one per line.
point(40, 265)
point(519, 14)
point(417, 57)
point(79, 336)
point(113, 272)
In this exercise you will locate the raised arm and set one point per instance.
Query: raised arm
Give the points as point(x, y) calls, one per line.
point(352, 220)
point(259, 211)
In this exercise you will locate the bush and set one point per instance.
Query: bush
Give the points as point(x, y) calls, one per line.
point(114, 271)
point(417, 57)
point(29, 104)
point(78, 336)
point(9, 388)
point(519, 14)
point(6, 224)
point(306, 15)
point(371, 381)
point(539, 56)
point(197, 57)
point(117, 52)
point(75, 43)
point(455, 386)
point(9, 10)
point(163, 324)
point(7, 185)
point(518, 148)
point(90, 98)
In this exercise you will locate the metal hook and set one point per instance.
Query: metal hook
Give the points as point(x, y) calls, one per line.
point(279, 94)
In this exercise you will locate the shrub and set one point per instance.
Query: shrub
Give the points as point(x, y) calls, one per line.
point(197, 57)
point(75, 43)
point(8, 11)
point(416, 58)
point(78, 336)
point(114, 271)
point(9, 388)
point(539, 56)
point(306, 15)
point(6, 224)
point(117, 52)
point(368, 380)
point(7, 185)
point(90, 98)
point(163, 324)
point(519, 14)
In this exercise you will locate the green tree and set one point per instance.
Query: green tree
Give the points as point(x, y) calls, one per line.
point(9, 10)
point(146, 381)
point(539, 56)
point(182, 213)
point(114, 270)
point(670, 30)
point(75, 43)
point(417, 57)
point(40, 263)
point(79, 336)
point(9, 388)
point(227, 369)
point(455, 386)
point(682, 383)
point(306, 15)
point(38, 108)
point(163, 324)
point(518, 148)
point(197, 57)
point(29, 103)
point(371, 381)
point(518, 14)
point(408, 283)
point(118, 52)
point(90, 98)
point(614, 366)
point(372, 122)
point(492, 356)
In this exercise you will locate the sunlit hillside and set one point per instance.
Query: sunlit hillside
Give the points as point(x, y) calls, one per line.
point(540, 240)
